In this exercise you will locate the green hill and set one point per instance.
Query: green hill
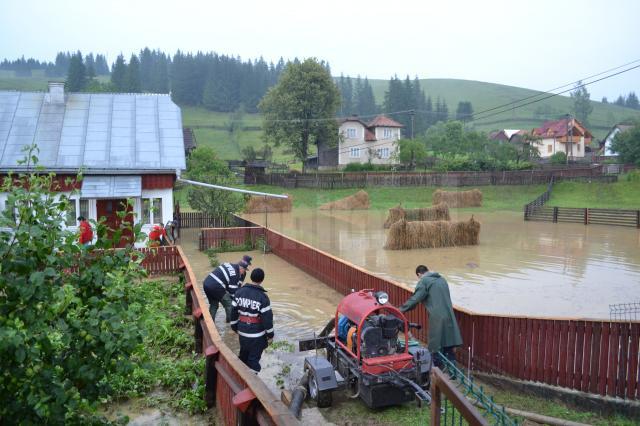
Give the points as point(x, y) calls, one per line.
point(484, 96)
point(214, 128)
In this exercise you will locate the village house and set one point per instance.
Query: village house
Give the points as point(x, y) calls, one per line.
point(374, 142)
point(503, 135)
point(129, 146)
point(605, 145)
point(567, 135)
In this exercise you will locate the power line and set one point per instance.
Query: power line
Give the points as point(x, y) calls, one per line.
point(556, 88)
point(555, 94)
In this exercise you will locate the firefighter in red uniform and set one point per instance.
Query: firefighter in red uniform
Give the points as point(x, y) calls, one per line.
point(86, 233)
point(157, 236)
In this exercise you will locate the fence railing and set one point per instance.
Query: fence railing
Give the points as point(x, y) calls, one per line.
point(363, 179)
point(217, 237)
point(599, 357)
point(536, 204)
point(203, 220)
point(160, 260)
point(443, 392)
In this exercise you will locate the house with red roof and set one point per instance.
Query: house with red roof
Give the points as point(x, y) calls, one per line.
point(567, 135)
point(374, 142)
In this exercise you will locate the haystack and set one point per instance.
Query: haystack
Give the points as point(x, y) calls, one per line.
point(438, 212)
point(357, 201)
point(471, 198)
point(260, 204)
point(405, 235)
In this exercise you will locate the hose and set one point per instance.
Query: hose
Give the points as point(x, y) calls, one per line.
point(298, 395)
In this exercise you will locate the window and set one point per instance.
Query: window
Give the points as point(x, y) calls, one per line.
point(151, 210)
point(84, 208)
point(387, 133)
point(354, 152)
point(351, 133)
point(382, 152)
point(578, 147)
point(549, 149)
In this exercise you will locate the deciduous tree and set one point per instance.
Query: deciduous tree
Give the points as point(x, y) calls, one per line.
point(300, 110)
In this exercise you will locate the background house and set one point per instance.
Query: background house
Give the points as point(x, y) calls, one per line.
point(605, 145)
point(567, 135)
point(374, 142)
point(130, 146)
point(503, 135)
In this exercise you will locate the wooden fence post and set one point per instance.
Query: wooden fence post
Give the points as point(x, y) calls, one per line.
point(638, 219)
point(555, 215)
point(586, 216)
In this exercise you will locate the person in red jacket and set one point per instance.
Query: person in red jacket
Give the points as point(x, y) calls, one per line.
point(86, 233)
point(157, 236)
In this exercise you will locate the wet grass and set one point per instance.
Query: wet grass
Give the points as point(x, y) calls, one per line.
point(547, 407)
point(167, 374)
point(624, 194)
point(510, 198)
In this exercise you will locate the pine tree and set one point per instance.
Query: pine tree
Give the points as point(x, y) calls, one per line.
point(605, 100)
point(632, 101)
point(620, 101)
point(102, 68)
point(118, 74)
point(77, 76)
point(146, 70)
point(132, 76)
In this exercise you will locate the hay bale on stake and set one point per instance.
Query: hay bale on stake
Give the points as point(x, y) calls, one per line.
point(437, 212)
point(260, 204)
point(405, 235)
point(471, 198)
point(357, 201)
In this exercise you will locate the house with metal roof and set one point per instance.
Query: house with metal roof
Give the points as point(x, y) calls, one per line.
point(128, 146)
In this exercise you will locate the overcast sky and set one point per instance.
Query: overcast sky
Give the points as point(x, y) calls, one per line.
point(538, 44)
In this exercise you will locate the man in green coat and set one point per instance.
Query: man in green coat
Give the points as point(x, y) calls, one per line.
point(433, 291)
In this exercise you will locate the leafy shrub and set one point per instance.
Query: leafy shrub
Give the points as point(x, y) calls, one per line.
point(68, 313)
point(632, 176)
point(558, 158)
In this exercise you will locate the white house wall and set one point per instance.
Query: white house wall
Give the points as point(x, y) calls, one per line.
point(344, 148)
point(550, 146)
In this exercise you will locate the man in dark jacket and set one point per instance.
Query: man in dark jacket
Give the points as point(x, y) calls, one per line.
point(221, 284)
point(252, 319)
point(433, 291)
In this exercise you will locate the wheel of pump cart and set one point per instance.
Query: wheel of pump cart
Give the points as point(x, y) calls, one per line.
point(323, 399)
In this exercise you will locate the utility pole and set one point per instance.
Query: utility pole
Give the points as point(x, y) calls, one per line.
point(412, 113)
point(569, 137)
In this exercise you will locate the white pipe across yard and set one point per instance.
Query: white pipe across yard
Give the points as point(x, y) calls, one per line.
point(226, 188)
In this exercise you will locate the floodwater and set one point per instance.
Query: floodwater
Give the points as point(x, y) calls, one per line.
point(536, 269)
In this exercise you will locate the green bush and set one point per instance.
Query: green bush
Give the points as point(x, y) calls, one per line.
point(558, 158)
point(68, 313)
point(632, 176)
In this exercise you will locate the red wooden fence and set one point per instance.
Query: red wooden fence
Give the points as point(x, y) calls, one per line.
point(160, 260)
point(592, 356)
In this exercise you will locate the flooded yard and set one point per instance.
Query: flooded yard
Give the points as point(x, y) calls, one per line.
point(519, 268)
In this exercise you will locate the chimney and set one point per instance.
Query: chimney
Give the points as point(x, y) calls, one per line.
point(56, 92)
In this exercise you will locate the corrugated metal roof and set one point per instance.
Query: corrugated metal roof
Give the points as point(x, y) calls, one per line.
point(96, 131)
point(111, 186)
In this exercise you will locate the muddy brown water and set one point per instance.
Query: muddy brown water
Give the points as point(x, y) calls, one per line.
point(519, 268)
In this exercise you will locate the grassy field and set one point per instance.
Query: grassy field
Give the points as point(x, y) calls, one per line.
point(620, 195)
point(494, 197)
point(624, 194)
